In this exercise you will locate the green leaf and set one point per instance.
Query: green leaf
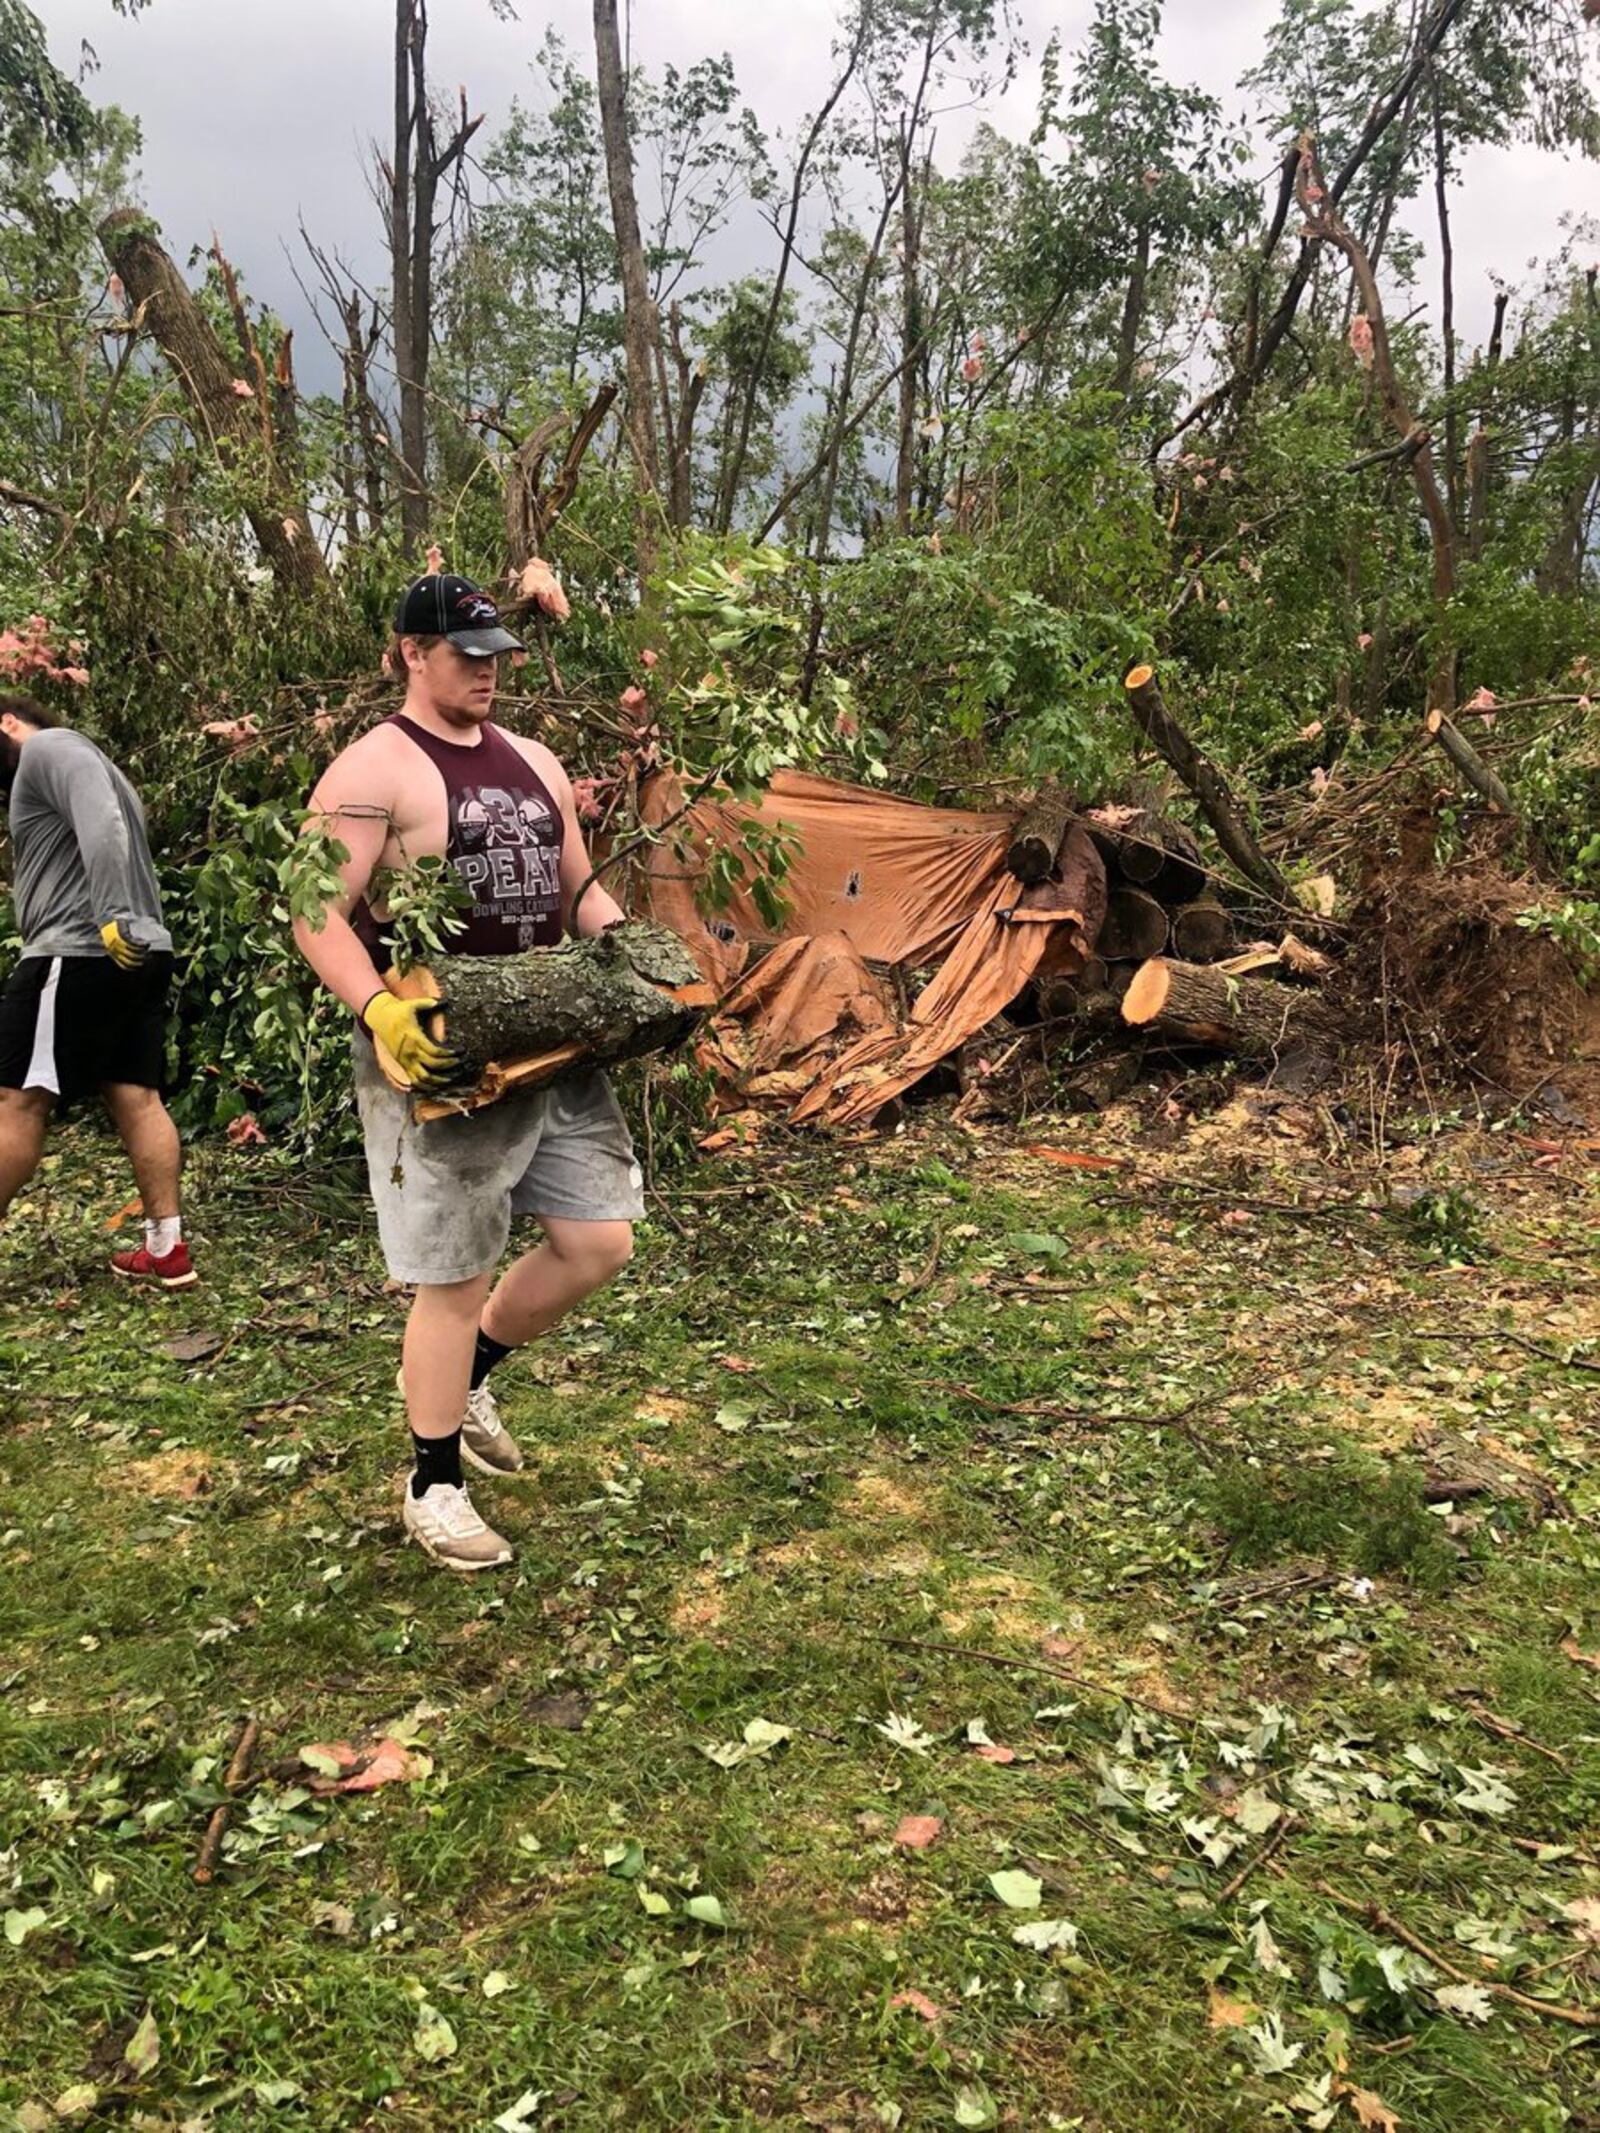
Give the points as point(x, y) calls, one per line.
point(319, 1760)
point(1039, 1244)
point(19, 1924)
point(708, 1911)
point(272, 2092)
point(433, 2037)
point(653, 1902)
point(142, 2052)
point(625, 1861)
point(975, 2106)
point(495, 1984)
point(1044, 1934)
point(519, 2117)
point(1016, 1890)
point(1469, 2001)
point(1256, 1812)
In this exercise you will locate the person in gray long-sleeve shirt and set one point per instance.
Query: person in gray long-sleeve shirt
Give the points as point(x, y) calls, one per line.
point(84, 1011)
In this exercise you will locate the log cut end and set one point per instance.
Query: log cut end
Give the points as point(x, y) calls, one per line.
point(1137, 677)
point(1147, 995)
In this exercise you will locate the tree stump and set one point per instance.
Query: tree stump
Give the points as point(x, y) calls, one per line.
point(1201, 931)
point(1250, 1017)
point(1039, 833)
point(1134, 927)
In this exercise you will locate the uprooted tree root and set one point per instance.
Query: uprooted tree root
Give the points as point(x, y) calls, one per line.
point(1457, 979)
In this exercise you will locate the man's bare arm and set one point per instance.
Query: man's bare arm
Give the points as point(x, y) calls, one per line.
point(351, 803)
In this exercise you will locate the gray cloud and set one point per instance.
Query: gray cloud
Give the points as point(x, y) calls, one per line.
point(254, 117)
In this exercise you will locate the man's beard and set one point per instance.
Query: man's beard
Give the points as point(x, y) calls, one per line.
point(10, 757)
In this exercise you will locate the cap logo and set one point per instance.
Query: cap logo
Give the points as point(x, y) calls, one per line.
point(476, 607)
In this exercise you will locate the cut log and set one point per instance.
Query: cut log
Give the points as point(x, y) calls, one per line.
point(1250, 1017)
point(1470, 764)
point(1202, 931)
point(1161, 856)
point(1206, 782)
point(1101, 1081)
point(1135, 926)
point(630, 990)
point(1032, 855)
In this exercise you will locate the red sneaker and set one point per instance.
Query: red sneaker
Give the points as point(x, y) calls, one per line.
point(175, 1271)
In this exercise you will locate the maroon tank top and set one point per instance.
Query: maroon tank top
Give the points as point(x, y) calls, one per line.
point(504, 840)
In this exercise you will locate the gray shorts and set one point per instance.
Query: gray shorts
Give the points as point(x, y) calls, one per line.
point(446, 1189)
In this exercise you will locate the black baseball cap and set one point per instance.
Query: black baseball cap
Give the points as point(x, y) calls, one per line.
point(442, 606)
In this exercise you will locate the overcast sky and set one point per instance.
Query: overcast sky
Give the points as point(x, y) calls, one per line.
point(256, 115)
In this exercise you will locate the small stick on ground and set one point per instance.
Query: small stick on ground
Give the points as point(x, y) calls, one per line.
point(237, 1774)
point(1502, 1729)
point(1280, 1836)
point(1382, 1921)
point(1025, 1666)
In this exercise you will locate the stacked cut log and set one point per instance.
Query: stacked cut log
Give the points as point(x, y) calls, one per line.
point(1154, 975)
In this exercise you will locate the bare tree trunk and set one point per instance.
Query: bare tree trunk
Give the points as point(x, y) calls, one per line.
point(640, 327)
point(691, 391)
point(1325, 224)
point(413, 175)
point(910, 336)
point(1133, 310)
point(1447, 307)
point(1384, 112)
point(733, 472)
point(239, 428)
point(1478, 469)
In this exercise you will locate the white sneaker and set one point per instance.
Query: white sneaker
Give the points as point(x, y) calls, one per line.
point(444, 1525)
point(486, 1443)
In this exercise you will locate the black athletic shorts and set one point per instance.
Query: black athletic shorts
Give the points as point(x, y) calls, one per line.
point(70, 1022)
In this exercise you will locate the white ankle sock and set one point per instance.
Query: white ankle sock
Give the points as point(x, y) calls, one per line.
point(162, 1236)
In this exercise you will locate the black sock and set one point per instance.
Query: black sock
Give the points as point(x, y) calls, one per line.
point(484, 1357)
point(438, 1459)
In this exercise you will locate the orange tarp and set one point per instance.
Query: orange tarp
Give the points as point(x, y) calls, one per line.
point(872, 876)
point(901, 880)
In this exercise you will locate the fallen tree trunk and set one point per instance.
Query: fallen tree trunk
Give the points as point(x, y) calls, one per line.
point(1039, 834)
point(1202, 931)
point(1134, 927)
point(1468, 761)
point(1250, 1017)
point(239, 424)
point(1206, 782)
point(519, 1020)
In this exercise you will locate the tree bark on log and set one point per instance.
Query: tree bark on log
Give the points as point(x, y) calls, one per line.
point(1039, 834)
point(1202, 932)
point(1161, 856)
point(233, 421)
point(601, 1000)
point(1135, 926)
point(640, 326)
point(1202, 777)
point(1250, 1017)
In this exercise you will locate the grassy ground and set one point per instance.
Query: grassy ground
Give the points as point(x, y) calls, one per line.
point(867, 1447)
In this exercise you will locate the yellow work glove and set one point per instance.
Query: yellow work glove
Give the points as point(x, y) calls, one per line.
point(126, 953)
point(399, 1024)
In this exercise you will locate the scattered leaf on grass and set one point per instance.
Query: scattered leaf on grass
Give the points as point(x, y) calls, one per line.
point(1228, 2013)
point(990, 1751)
point(1043, 1934)
point(77, 2102)
point(1584, 1912)
point(1265, 1952)
point(19, 1924)
point(340, 1767)
point(708, 1911)
point(1269, 2048)
point(519, 2116)
point(141, 2054)
point(494, 1984)
point(917, 1832)
point(652, 1902)
point(976, 2107)
point(1255, 1812)
point(1573, 1650)
point(275, 2092)
point(761, 1737)
point(905, 1733)
point(335, 1918)
point(625, 1861)
point(1016, 1890)
point(1370, 2109)
point(1074, 1158)
point(433, 2037)
point(920, 2004)
point(1469, 2001)
point(191, 1347)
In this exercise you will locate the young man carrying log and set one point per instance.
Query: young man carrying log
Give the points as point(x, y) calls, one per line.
point(84, 1012)
point(440, 779)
